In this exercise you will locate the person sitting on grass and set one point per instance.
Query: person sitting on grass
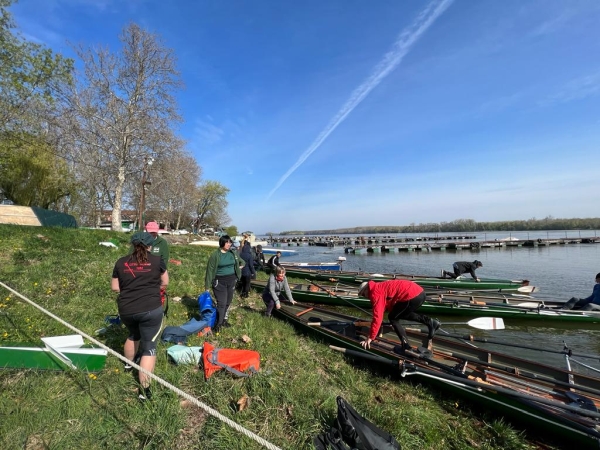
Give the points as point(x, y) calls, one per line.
point(401, 299)
point(461, 267)
point(272, 294)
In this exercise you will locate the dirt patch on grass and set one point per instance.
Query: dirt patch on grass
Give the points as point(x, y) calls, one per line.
point(194, 422)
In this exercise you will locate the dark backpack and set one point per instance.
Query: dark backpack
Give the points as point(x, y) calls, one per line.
point(354, 430)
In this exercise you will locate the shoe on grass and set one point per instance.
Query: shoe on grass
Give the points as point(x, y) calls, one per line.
point(144, 394)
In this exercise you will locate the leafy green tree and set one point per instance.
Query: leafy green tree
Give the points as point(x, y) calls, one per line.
point(30, 172)
point(29, 76)
point(212, 204)
point(232, 231)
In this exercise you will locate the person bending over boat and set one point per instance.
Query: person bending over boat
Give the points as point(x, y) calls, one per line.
point(401, 299)
point(461, 267)
point(591, 303)
point(272, 294)
point(139, 278)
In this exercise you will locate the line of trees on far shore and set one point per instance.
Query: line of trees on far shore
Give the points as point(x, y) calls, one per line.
point(465, 226)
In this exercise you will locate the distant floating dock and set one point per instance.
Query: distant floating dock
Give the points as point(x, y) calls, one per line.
point(336, 241)
point(472, 245)
point(422, 243)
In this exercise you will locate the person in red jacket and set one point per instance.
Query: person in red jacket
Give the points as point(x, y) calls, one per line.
point(401, 299)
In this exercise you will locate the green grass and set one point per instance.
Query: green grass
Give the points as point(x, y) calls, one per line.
point(290, 401)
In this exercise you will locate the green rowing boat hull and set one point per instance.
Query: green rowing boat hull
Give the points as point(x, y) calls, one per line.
point(432, 282)
point(434, 308)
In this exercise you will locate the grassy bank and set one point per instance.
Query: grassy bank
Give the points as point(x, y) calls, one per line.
point(290, 401)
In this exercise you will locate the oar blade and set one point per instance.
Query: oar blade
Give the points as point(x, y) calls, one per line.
point(532, 305)
point(528, 289)
point(487, 323)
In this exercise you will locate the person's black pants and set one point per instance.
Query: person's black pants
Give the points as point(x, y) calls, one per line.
point(407, 311)
point(245, 281)
point(223, 290)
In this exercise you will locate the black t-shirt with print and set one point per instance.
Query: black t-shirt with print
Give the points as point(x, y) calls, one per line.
point(139, 284)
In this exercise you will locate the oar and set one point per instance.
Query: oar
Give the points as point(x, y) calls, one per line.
point(341, 323)
point(485, 295)
point(469, 337)
point(337, 296)
point(473, 302)
point(508, 291)
point(481, 323)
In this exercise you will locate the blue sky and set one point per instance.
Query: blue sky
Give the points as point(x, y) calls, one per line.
point(341, 113)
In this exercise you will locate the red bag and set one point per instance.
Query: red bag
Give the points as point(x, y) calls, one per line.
point(234, 361)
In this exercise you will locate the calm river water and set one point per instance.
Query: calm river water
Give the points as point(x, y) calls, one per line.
point(559, 271)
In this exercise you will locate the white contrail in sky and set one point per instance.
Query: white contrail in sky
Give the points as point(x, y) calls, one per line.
point(390, 61)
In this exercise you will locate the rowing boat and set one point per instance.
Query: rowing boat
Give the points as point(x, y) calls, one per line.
point(283, 251)
point(58, 353)
point(485, 284)
point(556, 402)
point(451, 304)
point(329, 266)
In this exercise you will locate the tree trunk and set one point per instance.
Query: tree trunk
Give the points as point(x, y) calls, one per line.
point(116, 212)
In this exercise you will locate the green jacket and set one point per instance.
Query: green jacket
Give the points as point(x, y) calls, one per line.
point(213, 264)
point(160, 247)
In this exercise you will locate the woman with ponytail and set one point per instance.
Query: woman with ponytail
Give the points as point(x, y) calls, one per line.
point(138, 278)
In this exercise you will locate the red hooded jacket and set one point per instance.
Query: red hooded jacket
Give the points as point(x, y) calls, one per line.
point(385, 295)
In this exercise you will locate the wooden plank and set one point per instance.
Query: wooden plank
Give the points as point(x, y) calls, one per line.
point(18, 215)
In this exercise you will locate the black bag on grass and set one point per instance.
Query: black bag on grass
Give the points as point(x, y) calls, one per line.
point(355, 431)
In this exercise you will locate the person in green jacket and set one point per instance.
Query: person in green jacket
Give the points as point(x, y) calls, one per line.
point(160, 247)
point(223, 270)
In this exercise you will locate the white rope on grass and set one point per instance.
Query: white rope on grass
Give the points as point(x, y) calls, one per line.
point(159, 380)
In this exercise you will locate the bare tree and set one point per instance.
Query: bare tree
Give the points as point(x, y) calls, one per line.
point(172, 195)
point(121, 111)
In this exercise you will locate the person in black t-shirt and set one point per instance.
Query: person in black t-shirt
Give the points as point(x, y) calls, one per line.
point(138, 278)
point(274, 261)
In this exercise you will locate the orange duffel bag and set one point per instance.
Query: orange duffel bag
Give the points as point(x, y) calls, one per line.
point(237, 362)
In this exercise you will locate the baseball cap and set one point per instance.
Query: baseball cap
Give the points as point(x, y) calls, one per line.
point(152, 227)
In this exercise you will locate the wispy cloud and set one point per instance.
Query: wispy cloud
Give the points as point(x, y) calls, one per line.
point(390, 61)
point(576, 89)
point(552, 25)
point(208, 132)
